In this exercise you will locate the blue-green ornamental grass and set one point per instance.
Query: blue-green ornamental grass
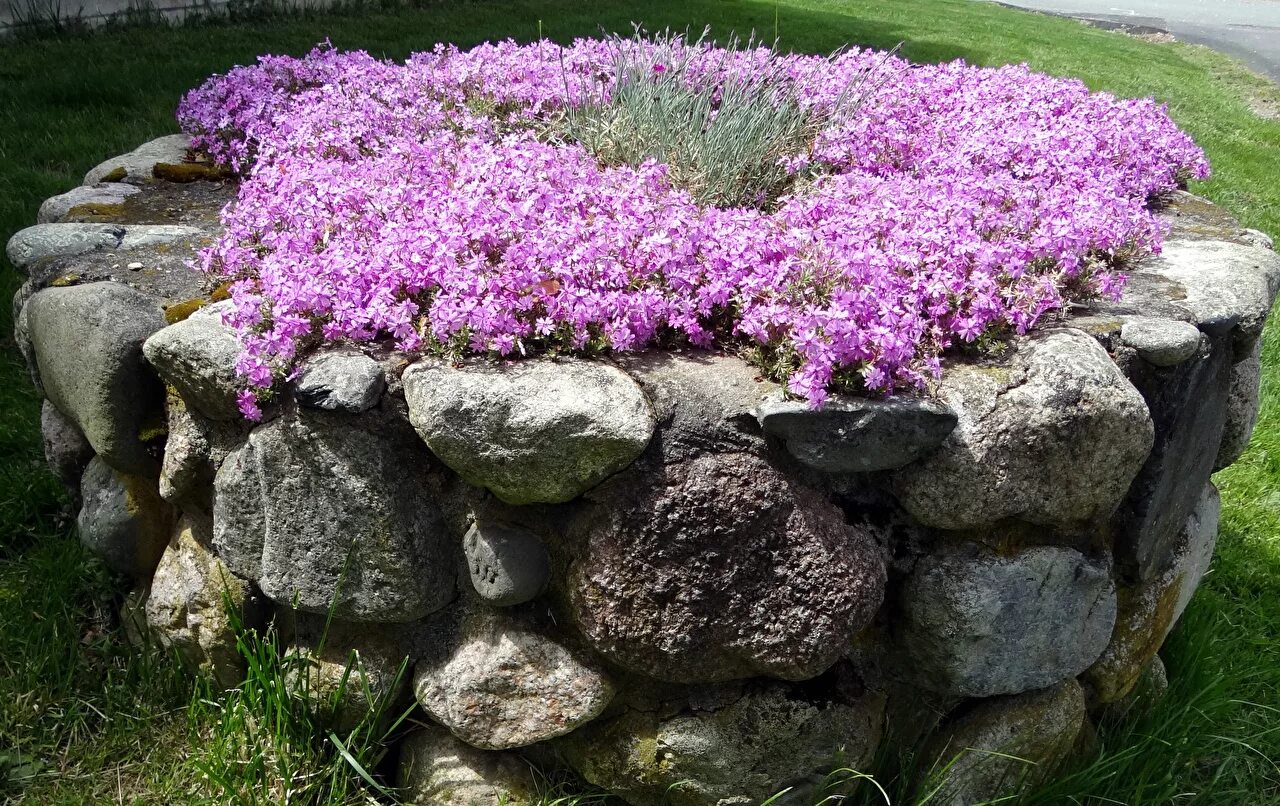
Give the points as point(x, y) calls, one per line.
point(86, 719)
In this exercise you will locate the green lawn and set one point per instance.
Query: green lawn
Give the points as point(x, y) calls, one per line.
point(85, 719)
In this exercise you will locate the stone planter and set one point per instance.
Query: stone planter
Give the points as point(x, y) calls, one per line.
point(654, 569)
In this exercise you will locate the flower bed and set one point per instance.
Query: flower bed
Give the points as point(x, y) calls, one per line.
point(445, 203)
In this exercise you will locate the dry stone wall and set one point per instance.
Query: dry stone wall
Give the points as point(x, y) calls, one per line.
point(653, 569)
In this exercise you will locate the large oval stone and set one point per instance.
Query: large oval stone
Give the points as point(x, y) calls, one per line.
point(532, 432)
point(720, 567)
point(1054, 438)
point(976, 624)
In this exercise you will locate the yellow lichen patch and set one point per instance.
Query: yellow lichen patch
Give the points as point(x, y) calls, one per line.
point(64, 280)
point(179, 311)
point(1143, 619)
point(115, 174)
point(95, 211)
point(187, 171)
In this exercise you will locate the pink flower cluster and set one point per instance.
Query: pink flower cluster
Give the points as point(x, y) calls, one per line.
point(433, 204)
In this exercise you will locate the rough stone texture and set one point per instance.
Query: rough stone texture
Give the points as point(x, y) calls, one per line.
point(1188, 405)
point(340, 381)
point(772, 737)
point(88, 347)
point(195, 448)
point(508, 565)
point(438, 770)
point(96, 199)
point(495, 425)
point(976, 624)
point(1152, 685)
point(855, 435)
point(44, 241)
point(504, 685)
point(1258, 238)
point(22, 333)
point(354, 672)
point(337, 511)
point(187, 607)
point(65, 448)
point(1003, 745)
point(720, 567)
point(1162, 342)
point(1147, 611)
point(123, 520)
point(198, 356)
point(1242, 407)
point(1229, 288)
point(137, 167)
point(703, 401)
point(1025, 433)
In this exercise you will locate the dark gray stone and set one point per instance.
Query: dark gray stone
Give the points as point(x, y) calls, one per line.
point(347, 381)
point(975, 623)
point(508, 565)
point(198, 357)
point(495, 425)
point(88, 347)
point(123, 520)
point(1053, 438)
point(1243, 400)
point(853, 435)
point(65, 448)
point(336, 511)
point(717, 568)
point(1188, 405)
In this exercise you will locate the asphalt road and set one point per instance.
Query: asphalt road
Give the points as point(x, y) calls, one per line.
point(1246, 29)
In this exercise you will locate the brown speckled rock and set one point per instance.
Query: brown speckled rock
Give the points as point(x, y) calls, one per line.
point(720, 567)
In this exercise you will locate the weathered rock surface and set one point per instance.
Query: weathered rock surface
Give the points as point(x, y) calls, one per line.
point(195, 448)
point(772, 737)
point(1162, 342)
point(977, 624)
point(138, 166)
point(532, 431)
point(354, 672)
point(720, 567)
point(1152, 685)
point(22, 333)
point(347, 381)
point(1188, 405)
point(123, 520)
point(198, 356)
point(856, 435)
point(703, 401)
point(1242, 407)
point(193, 596)
point(1147, 611)
point(1229, 287)
point(42, 241)
point(505, 685)
point(1003, 745)
point(336, 511)
point(508, 565)
point(1025, 433)
point(65, 448)
point(438, 770)
point(88, 347)
point(104, 197)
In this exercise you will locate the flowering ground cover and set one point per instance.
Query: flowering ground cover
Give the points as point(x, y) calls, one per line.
point(450, 203)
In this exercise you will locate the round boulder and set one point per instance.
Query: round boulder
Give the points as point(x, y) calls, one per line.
point(1054, 439)
point(720, 567)
point(534, 431)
